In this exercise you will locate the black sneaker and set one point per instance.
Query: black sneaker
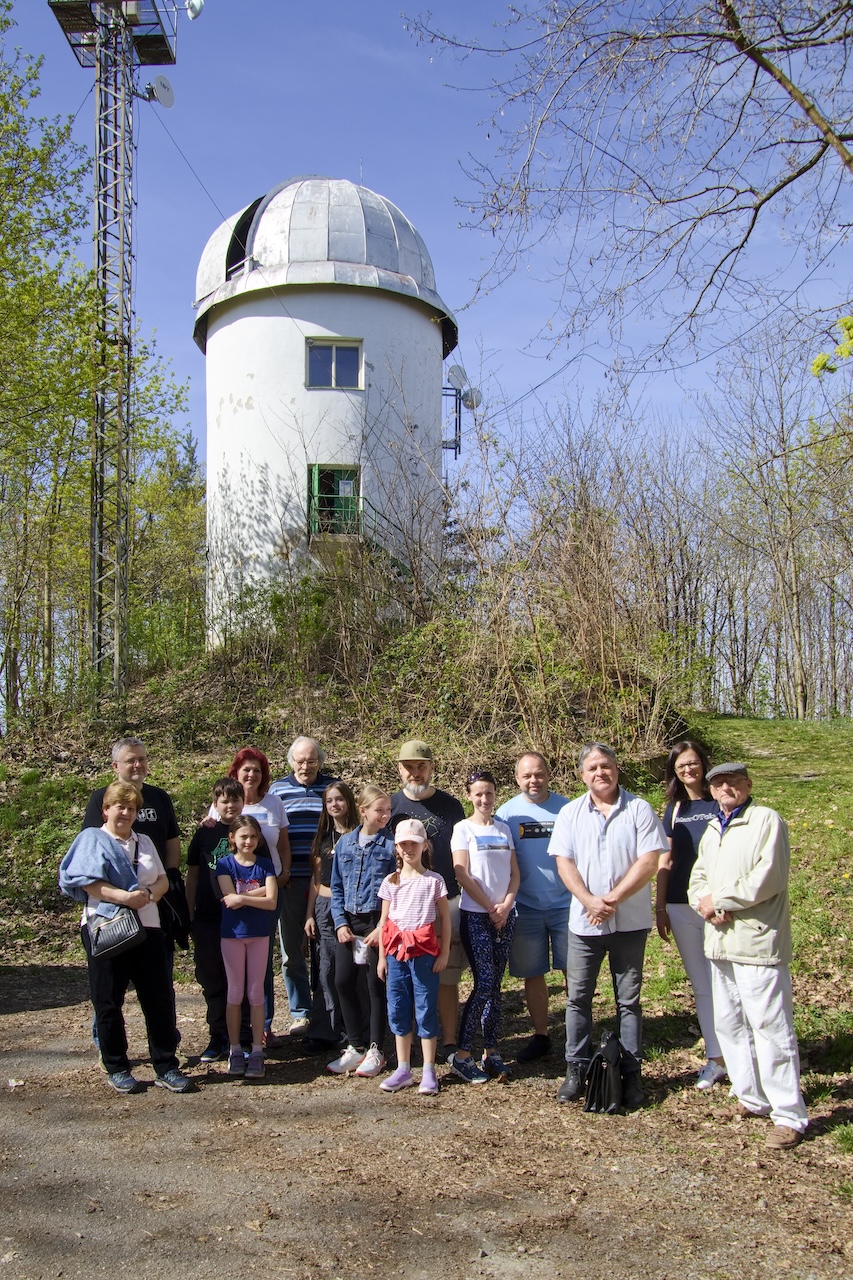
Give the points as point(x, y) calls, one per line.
point(175, 1081)
point(633, 1094)
point(572, 1087)
point(310, 1044)
point(123, 1082)
point(495, 1067)
point(537, 1047)
point(214, 1052)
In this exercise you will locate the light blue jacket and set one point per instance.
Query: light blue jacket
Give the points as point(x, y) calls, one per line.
point(95, 855)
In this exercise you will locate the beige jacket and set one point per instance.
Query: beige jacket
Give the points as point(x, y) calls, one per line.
point(745, 870)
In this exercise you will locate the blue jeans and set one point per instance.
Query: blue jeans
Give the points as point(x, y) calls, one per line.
point(291, 936)
point(412, 990)
point(625, 952)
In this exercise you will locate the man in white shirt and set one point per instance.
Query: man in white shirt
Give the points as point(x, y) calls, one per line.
point(607, 844)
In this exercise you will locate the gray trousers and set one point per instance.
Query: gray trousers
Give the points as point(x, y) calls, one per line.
point(625, 952)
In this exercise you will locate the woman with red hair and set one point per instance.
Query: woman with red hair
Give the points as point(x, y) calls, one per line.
point(251, 768)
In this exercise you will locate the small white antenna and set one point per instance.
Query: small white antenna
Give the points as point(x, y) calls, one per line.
point(194, 8)
point(457, 377)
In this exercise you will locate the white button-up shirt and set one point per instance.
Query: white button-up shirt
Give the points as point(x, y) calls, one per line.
point(604, 850)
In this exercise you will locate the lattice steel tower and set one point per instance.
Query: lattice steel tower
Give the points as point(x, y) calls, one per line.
point(115, 37)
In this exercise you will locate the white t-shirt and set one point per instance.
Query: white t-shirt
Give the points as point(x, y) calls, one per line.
point(604, 850)
point(489, 858)
point(150, 868)
point(413, 899)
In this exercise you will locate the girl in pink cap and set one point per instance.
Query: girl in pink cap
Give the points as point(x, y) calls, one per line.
point(410, 953)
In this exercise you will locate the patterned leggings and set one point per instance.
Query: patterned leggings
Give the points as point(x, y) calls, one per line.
point(487, 949)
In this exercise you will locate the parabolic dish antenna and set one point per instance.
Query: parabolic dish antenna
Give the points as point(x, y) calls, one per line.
point(457, 377)
point(161, 91)
point(472, 397)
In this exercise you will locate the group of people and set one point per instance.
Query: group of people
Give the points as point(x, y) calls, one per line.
point(391, 897)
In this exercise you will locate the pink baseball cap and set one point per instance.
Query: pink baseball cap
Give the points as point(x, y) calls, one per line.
point(410, 829)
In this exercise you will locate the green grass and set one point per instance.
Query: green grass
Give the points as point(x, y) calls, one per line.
point(843, 1135)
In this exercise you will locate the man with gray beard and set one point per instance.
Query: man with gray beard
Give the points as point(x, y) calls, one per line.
point(439, 812)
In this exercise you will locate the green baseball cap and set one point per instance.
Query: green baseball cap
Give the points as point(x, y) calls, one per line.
point(414, 750)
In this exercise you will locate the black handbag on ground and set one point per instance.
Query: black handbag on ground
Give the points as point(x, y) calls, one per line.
point(604, 1078)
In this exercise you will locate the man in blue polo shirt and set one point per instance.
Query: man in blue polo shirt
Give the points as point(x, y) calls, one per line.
point(542, 902)
point(606, 845)
point(301, 793)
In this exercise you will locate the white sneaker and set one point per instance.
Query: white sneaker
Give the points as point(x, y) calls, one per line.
point(373, 1062)
point(348, 1061)
point(712, 1073)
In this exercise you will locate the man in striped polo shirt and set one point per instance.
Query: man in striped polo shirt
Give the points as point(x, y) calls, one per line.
point(301, 793)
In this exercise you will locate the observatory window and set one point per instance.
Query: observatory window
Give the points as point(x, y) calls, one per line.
point(334, 364)
point(333, 500)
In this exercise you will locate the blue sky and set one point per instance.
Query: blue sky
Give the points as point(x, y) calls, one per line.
point(266, 90)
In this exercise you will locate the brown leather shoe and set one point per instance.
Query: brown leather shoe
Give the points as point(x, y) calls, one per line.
point(781, 1137)
point(744, 1113)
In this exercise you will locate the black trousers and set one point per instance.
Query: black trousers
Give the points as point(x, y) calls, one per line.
point(326, 1019)
point(146, 966)
point(210, 974)
point(363, 1003)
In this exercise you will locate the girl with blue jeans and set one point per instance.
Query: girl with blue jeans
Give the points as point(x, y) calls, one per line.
point(410, 954)
point(487, 871)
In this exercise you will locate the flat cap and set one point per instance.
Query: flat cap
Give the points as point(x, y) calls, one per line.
point(729, 766)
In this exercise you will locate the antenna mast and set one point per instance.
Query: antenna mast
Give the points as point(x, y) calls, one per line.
point(114, 37)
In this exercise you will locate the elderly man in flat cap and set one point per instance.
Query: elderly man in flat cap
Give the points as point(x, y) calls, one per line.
point(739, 885)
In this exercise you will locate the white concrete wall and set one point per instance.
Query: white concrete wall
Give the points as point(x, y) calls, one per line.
point(264, 426)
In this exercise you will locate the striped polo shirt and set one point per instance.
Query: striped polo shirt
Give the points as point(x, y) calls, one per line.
point(303, 806)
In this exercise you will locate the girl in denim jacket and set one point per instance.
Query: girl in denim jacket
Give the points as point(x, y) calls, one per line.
point(362, 860)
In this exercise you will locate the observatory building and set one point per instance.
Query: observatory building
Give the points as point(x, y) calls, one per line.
point(324, 339)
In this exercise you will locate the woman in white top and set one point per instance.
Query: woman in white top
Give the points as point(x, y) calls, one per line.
point(251, 768)
point(487, 872)
point(115, 867)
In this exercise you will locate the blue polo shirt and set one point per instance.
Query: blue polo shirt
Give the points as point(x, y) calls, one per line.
point(532, 825)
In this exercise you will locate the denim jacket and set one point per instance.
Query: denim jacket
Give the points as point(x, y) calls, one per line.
point(357, 873)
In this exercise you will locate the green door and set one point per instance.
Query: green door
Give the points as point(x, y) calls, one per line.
point(333, 499)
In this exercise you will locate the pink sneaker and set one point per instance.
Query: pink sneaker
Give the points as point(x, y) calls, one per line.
point(402, 1078)
point(429, 1083)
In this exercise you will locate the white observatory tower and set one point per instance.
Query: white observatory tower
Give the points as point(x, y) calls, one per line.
point(324, 338)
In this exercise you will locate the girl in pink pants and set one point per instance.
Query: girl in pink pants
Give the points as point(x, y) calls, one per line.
point(249, 892)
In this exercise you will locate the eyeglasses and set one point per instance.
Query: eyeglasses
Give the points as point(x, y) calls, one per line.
point(480, 775)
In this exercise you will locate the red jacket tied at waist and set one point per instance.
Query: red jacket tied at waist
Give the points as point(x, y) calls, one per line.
point(405, 944)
